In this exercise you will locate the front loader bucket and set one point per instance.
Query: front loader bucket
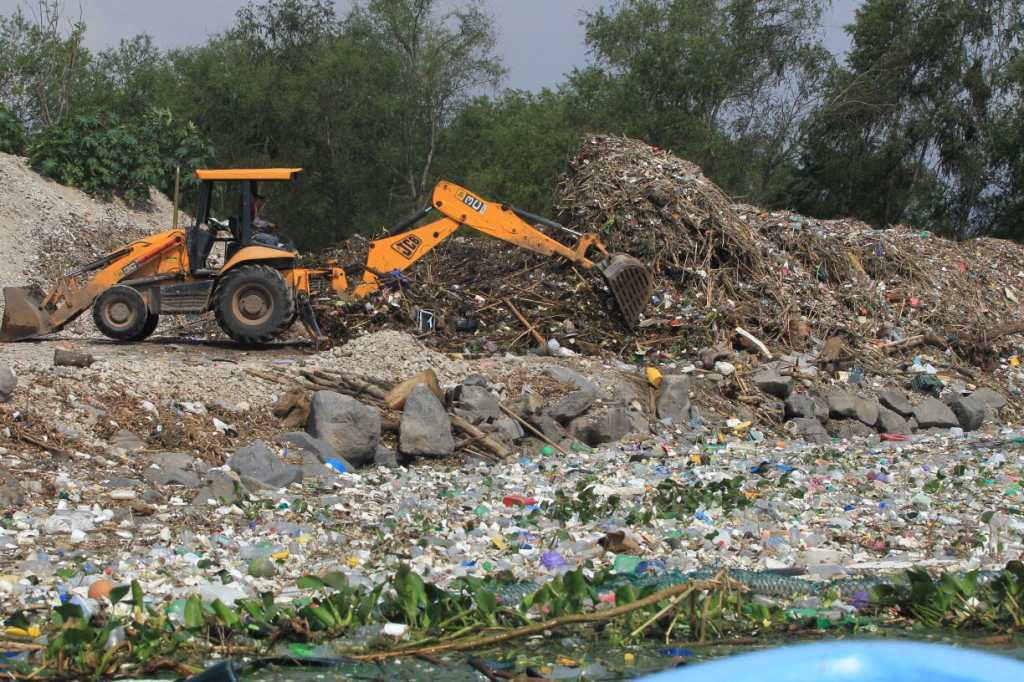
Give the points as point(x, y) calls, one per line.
point(631, 284)
point(23, 315)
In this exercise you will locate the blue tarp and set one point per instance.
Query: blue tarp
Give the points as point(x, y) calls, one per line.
point(853, 662)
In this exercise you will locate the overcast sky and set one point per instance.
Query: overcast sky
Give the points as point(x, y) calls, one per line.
point(539, 40)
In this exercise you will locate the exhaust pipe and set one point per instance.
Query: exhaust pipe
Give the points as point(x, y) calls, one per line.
point(23, 315)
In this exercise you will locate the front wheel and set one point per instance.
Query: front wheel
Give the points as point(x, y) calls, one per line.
point(253, 304)
point(120, 313)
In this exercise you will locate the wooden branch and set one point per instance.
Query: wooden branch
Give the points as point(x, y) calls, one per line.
point(756, 341)
point(267, 376)
point(663, 339)
point(52, 449)
point(913, 342)
point(532, 430)
point(988, 336)
point(533, 331)
point(497, 447)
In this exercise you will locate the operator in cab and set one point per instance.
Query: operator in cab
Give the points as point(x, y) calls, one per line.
point(259, 223)
point(265, 231)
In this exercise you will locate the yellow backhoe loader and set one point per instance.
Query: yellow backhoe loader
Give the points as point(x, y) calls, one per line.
point(258, 291)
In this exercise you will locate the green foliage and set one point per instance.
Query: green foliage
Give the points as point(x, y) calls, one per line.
point(922, 123)
point(12, 135)
point(439, 59)
point(97, 154)
point(907, 130)
point(104, 156)
point(44, 68)
point(681, 500)
point(77, 647)
point(585, 504)
point(532, 135)
point(131, 79)
point(722, 82)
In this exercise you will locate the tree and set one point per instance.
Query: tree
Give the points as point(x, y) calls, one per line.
point(43, 65)
point(442, 59)
point(131, 79)
point(723, 82)
point(290, 84)
point(905, 131)
point(12, 135)
point(513, 147)
point(103, 155)
point(1005, 198)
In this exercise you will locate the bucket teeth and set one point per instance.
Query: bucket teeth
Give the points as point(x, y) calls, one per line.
point(23, 315)
point(631, 284)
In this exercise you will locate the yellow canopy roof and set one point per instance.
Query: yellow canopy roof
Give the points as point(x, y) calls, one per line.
point(248, 174)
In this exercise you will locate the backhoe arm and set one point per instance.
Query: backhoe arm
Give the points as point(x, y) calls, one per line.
point(460, 207)
point(399, 251)
point(630, 282)
point(506, 223)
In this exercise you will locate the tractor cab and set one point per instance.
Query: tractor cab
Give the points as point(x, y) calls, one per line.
point(231, 192)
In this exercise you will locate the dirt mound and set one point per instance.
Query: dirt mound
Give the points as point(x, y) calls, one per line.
point(392, 356)
point(46, 228)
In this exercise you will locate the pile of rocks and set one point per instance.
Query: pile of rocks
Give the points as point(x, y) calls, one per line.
point(844, 413)
point(583, 412)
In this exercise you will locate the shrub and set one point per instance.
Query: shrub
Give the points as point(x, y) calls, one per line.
point(12, 135)
point(104, 156)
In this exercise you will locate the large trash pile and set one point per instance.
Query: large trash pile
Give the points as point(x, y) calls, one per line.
point(784, 275)
point(792, 281)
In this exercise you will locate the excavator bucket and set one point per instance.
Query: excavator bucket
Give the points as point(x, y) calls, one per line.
point(23, 315)
point(631, 284)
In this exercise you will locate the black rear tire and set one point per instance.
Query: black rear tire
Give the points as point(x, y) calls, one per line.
point(253, 304)
point(151, 323)
point(120, 313)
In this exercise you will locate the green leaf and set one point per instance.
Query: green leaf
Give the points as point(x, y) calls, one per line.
point(486, 601)
point(194, 613)
point(625, 595)
point(82, 635)
point(311, 582)
point(336, 580)
point(226, 615)
point(411, 594)
point(118, 593)
point(367, 604)
point(18, 619)
point(575, 583)
point(322, 615)
point(253, 609)
point(136, 594)
point(69, 611)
